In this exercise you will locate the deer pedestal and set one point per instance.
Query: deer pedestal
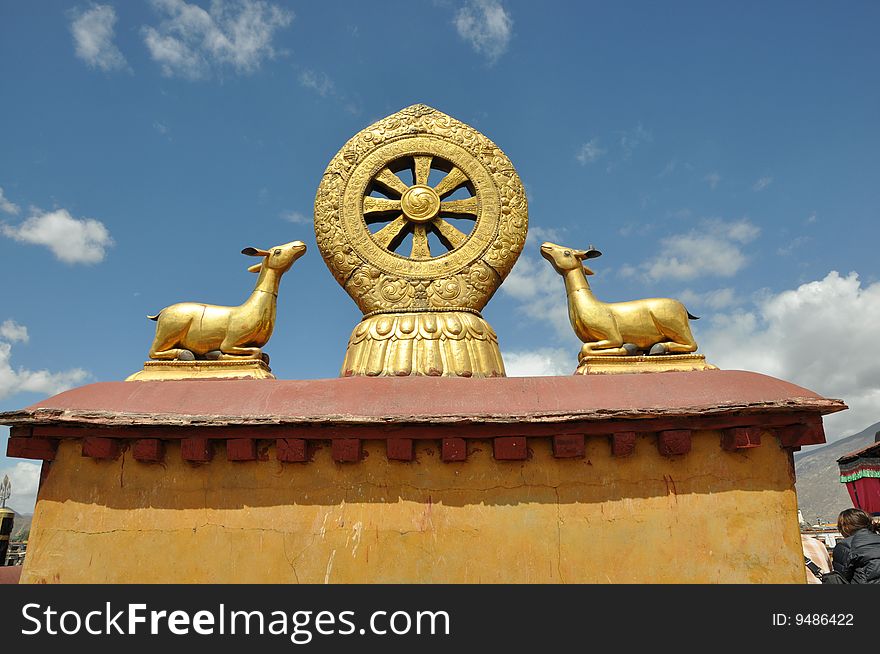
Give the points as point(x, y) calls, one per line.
point(229, 369)
point(679, 477)
point(611, 365)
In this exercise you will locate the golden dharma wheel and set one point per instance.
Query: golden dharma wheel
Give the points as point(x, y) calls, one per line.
point(421, 214)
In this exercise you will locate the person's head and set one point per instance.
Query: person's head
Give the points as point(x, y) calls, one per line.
point(851, 520)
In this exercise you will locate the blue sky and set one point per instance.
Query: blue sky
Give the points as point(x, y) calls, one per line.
point(722, 153)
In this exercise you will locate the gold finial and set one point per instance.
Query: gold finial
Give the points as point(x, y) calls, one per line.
point(420, 218)
point(196, 332)
point(5, 491)
point(637, 328)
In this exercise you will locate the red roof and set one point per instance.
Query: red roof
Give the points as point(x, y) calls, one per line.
point(423, 399)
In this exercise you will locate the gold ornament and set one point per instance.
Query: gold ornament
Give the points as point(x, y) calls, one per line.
point(420, 218)
point(205, 340)
point(621, 333)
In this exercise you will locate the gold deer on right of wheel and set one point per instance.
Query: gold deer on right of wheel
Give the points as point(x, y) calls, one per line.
point(652, 325)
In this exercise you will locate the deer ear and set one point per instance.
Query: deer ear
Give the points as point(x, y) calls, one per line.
point(257, 267)
point(587, 271)
point(255, 252)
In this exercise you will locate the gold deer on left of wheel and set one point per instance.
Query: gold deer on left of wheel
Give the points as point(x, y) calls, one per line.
point(653, 325)
point(190, 329)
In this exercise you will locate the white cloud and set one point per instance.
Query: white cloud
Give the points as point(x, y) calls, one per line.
point(486, 25)
point(668, 169)
point(162, 128)
point(713, 249)
point(296, 217)
point(589, 152)
point(537, 233)
point(71, 240)
point(34, 381)
point(6, 206)
point(13, 332)
point(628, 271)
point(631, 139)
point(525, 280)
point(540, 362)
point(626, 143)
point(762, 183)
point(712, 179)
point(191, 42)
point(796, 243)
point(821, 335)
point(539, 290)
point(25, 479)
point(680, 214)
point(319, 82)
point(93, 32)
point(721, 298)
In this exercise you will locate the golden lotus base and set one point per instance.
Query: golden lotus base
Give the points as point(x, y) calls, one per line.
point(601, 365)
point(430, 343)
point(227, 369)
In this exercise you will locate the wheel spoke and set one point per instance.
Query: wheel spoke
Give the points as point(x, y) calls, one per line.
point(420, 249)
point(452, 181)
point(468, 205)
point(422, 168)
point(376, 205)
point(450, 236)
point(391, 181)
point(392, 232)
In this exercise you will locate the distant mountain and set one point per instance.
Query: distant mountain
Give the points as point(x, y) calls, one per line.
point(20, 524)
point(819, 490)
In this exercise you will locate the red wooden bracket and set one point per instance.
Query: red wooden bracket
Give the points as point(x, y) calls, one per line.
point(399, 449)
point(32, 448)
point(674, 441)
point(197, 450)
point(148, 450)
point(740, 438)
point(569, 446)
point(241, 449)
point(801, 434)
point(291, 450)
point(346, 450)
point(510, 448)
point(453, 449)
point(98, 447)
point(21, 431)
point(623, 443)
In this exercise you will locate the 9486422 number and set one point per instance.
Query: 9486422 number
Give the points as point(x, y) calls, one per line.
point(823, 619)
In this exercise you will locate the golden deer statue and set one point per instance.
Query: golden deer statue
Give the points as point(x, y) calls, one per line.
point(656, 325)
point(190, 329)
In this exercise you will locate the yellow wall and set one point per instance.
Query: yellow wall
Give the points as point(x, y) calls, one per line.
point(709, 516)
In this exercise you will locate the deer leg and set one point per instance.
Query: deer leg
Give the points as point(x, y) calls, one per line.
point(673, 347)
point(680, 341)
point(235, 352)
point(163, 346)
point(173, 353)
point(603, 348)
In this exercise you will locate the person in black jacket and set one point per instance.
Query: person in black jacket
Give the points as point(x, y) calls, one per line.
point(856, 558)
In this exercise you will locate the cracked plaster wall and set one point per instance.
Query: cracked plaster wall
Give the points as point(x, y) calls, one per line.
point(708, 516)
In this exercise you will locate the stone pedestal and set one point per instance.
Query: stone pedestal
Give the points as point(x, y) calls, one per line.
point(594, 479)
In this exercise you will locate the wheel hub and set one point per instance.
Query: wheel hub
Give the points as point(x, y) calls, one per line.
point(420, 203)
